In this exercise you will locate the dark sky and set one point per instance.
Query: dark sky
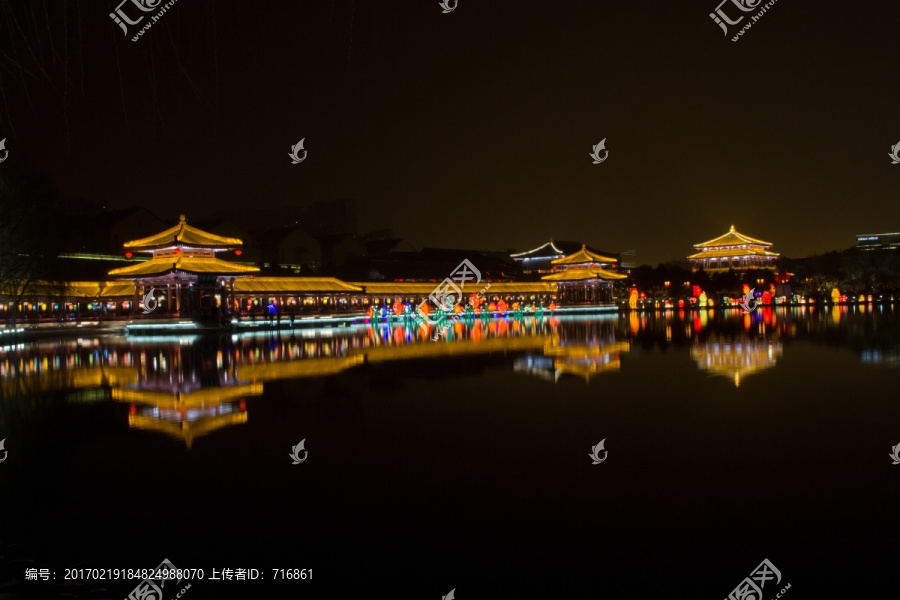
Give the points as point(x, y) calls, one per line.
point(473, 128)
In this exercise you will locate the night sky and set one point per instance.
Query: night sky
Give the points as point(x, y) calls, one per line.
point(472, 129)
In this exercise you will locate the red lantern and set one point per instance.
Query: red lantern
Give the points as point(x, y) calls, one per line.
point(238, 252)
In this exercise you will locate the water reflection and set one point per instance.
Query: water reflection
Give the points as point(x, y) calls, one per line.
point(580, 348)
point(736, 359)
point(186, 388)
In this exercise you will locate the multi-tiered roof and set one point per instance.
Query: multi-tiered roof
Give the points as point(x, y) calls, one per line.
point(583, 265)
point(733, 250)
point(183, 249)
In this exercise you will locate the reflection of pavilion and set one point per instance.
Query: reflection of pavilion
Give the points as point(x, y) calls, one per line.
point(581, 359)
point(186, 411)
point(736, 359)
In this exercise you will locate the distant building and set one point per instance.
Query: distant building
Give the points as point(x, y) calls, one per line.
point(581, 278)
point(538, 260)
point(871, 241)
point(733, 251)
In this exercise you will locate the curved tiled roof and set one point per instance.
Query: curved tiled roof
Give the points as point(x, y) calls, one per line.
point(183, 235)
point(732, 238)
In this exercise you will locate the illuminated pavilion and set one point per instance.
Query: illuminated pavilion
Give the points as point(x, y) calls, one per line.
point(581, 278)
point(733, 251)
point(185, 264)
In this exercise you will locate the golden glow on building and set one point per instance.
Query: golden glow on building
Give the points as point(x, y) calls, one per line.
point(733, 250)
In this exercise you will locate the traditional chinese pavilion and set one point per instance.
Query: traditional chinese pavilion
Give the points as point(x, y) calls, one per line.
point(733, 251)
point(540, 259)
point(185, 270)
point(582, 279)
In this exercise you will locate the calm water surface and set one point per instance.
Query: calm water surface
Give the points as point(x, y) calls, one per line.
point(464, 464)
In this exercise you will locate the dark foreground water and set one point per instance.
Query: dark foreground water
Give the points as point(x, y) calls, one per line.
point(464, 464)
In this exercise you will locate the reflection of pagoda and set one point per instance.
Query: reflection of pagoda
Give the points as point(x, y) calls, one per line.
point(581, 359)
point(185, 265)
point(733, 251)
point(582, 279)
point(186, 411)
point(736, 360)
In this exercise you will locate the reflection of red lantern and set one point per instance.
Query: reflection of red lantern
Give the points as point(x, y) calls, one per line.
point(128, 255)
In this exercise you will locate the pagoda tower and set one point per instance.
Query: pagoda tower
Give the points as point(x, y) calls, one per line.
point(581, 278)
point(733, 251)
point(184, 272)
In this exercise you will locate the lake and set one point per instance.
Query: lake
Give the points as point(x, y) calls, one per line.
point(464, 464)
